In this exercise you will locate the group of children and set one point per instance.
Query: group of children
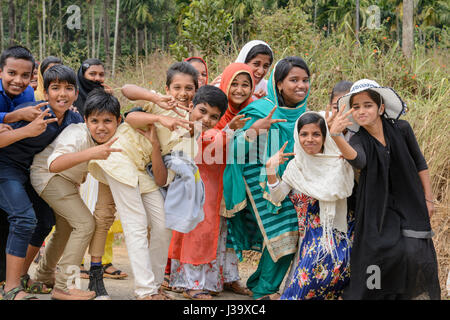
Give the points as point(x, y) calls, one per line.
point(203, 172)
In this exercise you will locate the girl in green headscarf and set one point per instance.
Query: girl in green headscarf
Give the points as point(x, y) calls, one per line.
point(254, 222)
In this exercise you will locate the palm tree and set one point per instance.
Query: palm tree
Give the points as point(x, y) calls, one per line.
point(408, 28)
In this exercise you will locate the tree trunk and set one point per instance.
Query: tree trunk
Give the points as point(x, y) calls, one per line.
point(92, 4)
point(408, 28)
point(106, 33)
point(145, 44)
point(40, 38)
point(43, 29)
point(99, 35)
point(27, 39)
point(136, 47)
point(11, 27)
point(2, 32)
point(116, 34)
point(357, 21)
point(60, 36)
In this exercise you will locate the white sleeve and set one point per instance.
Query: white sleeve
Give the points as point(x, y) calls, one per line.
point(278, 191)
point(70, 140)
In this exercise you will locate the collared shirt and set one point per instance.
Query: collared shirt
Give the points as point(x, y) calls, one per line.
point(21, 153)
point(128, 166)
point(7, 104)
point(75, 138)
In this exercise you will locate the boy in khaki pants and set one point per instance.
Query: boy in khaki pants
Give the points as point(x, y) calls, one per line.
point(56, 174)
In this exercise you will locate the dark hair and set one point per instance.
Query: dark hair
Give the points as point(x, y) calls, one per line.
point(259, 49)
point(59, 73)
point(16, 52)
point(100, 101)
point(284, 66)
point(182, 67)
point(90, 62)
point(212, 96)
point(375, 96)
point(308, 118)
point(340, 87)
point(47, 61)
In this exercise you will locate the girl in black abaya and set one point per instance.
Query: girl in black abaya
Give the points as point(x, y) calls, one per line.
point(393, 255)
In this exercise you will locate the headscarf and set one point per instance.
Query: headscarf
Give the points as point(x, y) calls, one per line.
point(326, 177)
point(278, 134)
point(243, 56)
point(84, 87)
point(39, 92)
point(228, 76)
point(203, 61)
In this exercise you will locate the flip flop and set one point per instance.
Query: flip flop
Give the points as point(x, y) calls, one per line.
point(113, 275)
point(187, 294)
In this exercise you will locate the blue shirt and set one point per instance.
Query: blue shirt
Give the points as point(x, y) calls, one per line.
point(7, 104)
point(21, 153)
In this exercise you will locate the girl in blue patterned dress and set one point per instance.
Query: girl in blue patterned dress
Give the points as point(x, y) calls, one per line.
point(318, 182)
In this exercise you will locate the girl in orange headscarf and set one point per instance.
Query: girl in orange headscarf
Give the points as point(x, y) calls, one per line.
point(201, 264)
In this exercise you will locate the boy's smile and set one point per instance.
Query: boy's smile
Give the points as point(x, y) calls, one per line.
point(16, 76)
point(60, 96)
point(102, 126)
point(208, 116)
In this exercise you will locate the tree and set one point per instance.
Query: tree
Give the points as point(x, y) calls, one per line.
point(116, 34)
point(408, 28)
point(12, 22)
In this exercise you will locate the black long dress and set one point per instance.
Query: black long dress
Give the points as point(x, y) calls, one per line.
point(392, 233)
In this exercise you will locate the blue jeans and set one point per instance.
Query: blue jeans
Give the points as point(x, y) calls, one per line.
point(30, 218)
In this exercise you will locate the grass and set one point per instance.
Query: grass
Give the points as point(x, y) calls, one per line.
point(422, 82)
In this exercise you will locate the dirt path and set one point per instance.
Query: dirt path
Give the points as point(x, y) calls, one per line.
point(123, 289)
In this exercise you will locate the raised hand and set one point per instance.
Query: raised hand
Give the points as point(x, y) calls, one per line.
point(39, 124)
point(340, 122)
point(32, 112)
point(173, 123)
point(260, 93)
point(238, 122)
point(102, 152)
point(107, 88)
point(216, 80)
point(279, 158)
point(266, 123)
point(329, 117)
point(151, 135)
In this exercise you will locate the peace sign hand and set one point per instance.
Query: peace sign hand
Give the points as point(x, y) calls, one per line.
point(238, 122)
point(330, 117)
point(103, 151)
point(340, 121)
point(39, 124)
point(279, 158)
point(266, 123)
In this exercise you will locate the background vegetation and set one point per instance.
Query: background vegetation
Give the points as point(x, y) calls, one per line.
point(152, 34)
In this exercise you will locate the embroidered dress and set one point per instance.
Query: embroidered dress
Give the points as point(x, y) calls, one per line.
point(311, 278)
point(208, 276)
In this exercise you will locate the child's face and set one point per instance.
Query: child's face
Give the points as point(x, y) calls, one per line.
point(366, 111)
point(34, 79)
point(182, 88)
point(334, 101)
point(202, 74)
point(16, 76)
point(311, 138)
point(240, 89)
point(95, 73)
point(294, 86)
point(102, 126)
point(260, 65)
point(208, 116)
point(60, 96)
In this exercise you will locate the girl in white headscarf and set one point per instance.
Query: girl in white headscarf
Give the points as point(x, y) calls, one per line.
point(259, 56)
point(318, 181)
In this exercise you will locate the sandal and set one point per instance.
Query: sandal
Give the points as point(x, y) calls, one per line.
point(187, 294)
point(273, 296)
point(84, 274)
point(236, 287)
point(37, 287)
point(118, 274)
point(166, 282)
point(12, 294)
